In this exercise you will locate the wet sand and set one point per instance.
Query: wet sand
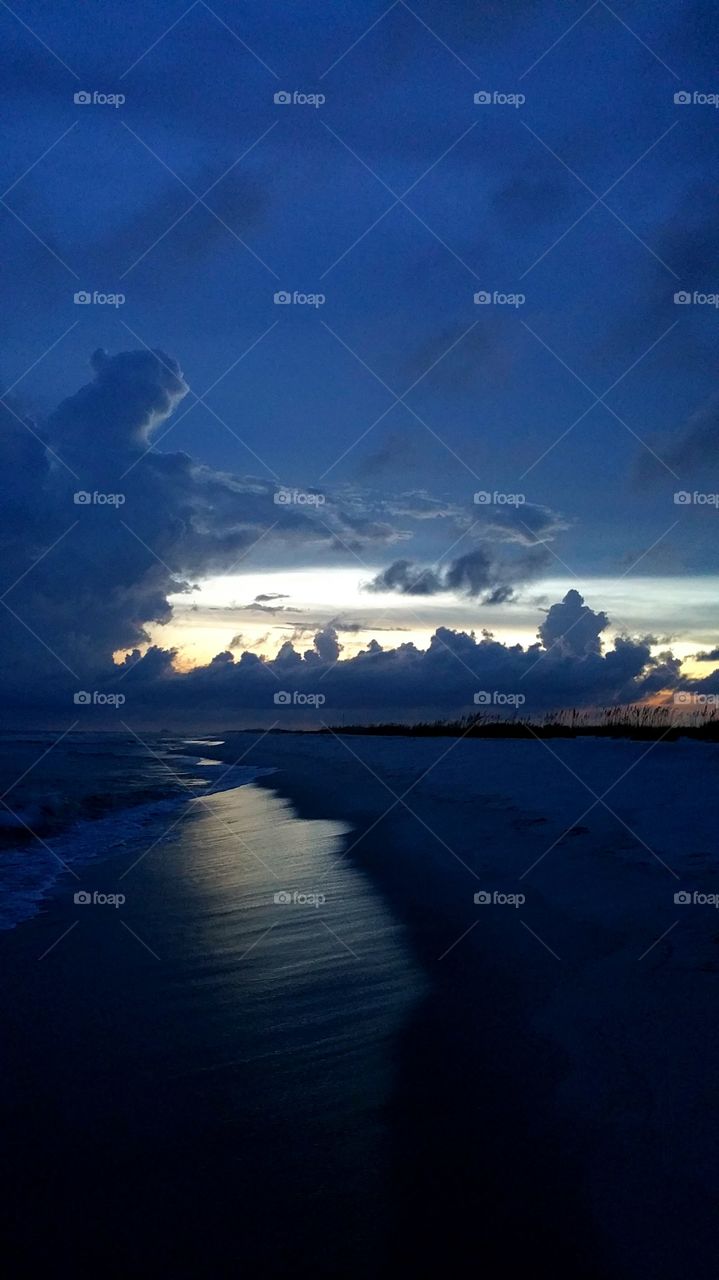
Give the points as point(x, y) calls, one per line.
point(555, 1083)
point(206, 1093)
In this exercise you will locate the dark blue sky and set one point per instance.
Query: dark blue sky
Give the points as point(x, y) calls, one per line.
point(500, 199)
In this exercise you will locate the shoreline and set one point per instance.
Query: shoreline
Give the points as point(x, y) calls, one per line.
point(204, 1057)
point(534, 1040)
point(584, 1037)
point(31, 869)
point(473, 1109)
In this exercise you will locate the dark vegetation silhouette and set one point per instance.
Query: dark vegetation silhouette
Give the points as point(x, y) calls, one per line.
point(638, 722)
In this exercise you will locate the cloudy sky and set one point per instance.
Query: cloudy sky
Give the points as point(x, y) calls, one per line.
point(346, 343)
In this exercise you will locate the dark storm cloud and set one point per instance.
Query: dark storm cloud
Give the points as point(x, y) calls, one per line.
point(268, 608)
point(407, 579)
point(476, 573)
point(130, 394)
point(470, 574)
point(327, 645)
point(338, 625)
point(352, 628)
point(573, 627)
point(100, 530)
point(567, 666)
point(103, 529)
point(87, 591)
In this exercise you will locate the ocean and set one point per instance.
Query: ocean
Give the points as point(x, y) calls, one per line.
point(66, 802)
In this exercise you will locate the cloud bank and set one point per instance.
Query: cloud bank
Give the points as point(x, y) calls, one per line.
point(101, 529)
point(565, 667)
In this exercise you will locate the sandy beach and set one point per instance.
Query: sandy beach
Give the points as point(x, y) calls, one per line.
point(301, 1043)
point(583, 1045)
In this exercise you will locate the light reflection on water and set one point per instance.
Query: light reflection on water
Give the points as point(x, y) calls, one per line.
point(274, 906)
point(288, 984)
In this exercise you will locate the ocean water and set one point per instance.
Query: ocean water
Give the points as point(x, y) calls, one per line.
point(223, 1045)
point(68, 802)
